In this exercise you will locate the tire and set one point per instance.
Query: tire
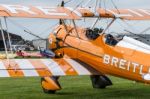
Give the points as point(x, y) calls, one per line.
point(100, 82)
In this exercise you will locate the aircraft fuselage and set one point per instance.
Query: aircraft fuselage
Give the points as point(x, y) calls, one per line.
point(113, 60)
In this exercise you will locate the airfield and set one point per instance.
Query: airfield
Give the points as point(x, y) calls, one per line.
point(74, 87)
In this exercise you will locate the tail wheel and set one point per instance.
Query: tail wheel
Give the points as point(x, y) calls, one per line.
point(100, 81)
point(50, 84)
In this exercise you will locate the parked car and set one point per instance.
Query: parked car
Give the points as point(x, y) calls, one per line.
point(22, 47)
point(47, 53)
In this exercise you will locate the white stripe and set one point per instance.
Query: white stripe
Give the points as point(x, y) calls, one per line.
point(123, 15)
point(128, 42)
point(24, 64)
point(118, 15)
point(75, 11)
point(78, 67)
point(58, 14)
point(110, 11)
point(145, 11)
point(131, 46)
point(3, 71)
point(53, 67)
point(135, 12)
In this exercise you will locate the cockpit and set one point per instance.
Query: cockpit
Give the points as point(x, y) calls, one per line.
point(93, 34)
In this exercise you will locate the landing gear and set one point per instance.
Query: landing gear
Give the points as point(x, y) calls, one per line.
point(50, 84)
point(49, 91)
point(100, 81)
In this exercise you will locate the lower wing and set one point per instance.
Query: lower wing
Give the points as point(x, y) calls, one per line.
point(43, 67)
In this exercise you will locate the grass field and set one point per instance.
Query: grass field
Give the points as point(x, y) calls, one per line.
point(77, 87)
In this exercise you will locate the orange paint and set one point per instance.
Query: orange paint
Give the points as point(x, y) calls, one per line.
point(40, 68)
point(66, 67)
point(13, 68)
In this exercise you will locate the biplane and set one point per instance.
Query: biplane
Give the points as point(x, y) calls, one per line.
point(81, 51)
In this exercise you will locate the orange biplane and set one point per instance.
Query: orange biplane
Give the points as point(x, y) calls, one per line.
point(81, 51)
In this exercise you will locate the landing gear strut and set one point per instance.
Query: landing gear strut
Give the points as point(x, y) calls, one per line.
point(100, 81)
point(50, 84)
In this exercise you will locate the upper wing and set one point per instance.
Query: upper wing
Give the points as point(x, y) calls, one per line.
point(69, 13)
point(43, 67)
point(38, 12)
point(128, 14)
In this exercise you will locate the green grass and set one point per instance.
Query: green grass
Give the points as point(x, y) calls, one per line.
point(77, 87)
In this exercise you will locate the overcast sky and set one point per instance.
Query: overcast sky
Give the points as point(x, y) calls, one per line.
point(43, 27)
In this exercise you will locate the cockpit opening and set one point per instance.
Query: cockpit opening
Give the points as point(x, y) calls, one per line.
point(93, 33)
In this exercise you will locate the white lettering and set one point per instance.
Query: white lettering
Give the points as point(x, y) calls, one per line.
point(14, 9)
point(50, 11)
point(122, 63)
point(141, 69)
point(134, 66)
point(128, 66)
point(114, 61)
point(106, 59)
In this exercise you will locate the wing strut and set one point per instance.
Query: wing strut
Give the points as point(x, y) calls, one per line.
point(9, 39)
point(113, 20)
point(4, 41)
point(75, 27)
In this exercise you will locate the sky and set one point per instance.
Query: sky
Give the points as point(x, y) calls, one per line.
point(43, 27)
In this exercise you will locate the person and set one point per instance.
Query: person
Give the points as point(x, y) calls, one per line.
point(110, 40)
point(89, 33)
point(92, 33)
point(95, 33)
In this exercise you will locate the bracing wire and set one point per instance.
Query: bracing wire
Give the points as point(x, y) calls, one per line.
point(68, 1)
point(115, 6)
point(24, 28)
point(96, 5)
point(87, 3)
point(100, 3)
point(107, 20)
point(17, 24)
point(51, 27)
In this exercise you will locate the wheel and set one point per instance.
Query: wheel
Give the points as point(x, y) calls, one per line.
point(100, 82)
point(97, 83)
